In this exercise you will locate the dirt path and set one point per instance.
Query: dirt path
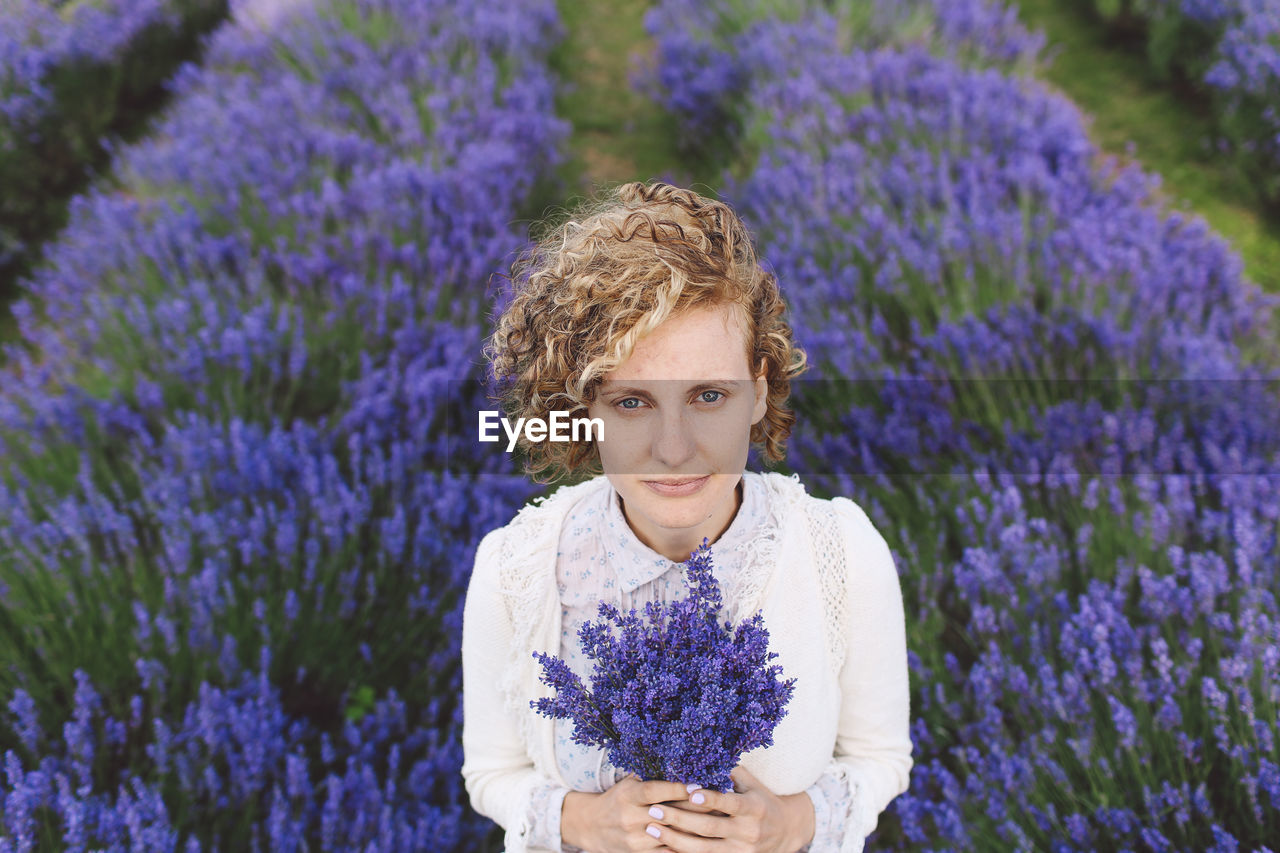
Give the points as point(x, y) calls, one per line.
point(618, 134)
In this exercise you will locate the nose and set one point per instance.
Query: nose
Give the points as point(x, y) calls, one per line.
point(675, 442)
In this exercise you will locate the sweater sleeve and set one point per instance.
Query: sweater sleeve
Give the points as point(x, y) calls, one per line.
point(497, 770)
point(873, 739)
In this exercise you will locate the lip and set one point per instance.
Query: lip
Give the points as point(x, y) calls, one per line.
point(678, 487)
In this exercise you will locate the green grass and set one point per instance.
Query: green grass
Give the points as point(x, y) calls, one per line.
point(618, 135)
point(1112, 83)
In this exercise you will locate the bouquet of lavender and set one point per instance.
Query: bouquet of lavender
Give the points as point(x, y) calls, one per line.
point(675, 695)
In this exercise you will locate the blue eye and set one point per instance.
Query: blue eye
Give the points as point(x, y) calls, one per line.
point(622, 404)
point(703, 396)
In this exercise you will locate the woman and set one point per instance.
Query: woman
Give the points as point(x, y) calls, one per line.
point(651, 314)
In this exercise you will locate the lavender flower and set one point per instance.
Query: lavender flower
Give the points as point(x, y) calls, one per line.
point(674, 695)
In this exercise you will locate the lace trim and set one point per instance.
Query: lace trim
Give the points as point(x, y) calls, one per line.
point(821, 817)
point(759, 556)
point(823, 520)
point(543, 818)
point(860, 820)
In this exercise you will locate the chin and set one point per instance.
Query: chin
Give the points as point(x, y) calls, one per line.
point(670, 518)
point(677, 512)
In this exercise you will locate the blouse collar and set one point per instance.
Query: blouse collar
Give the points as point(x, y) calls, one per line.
point(637, 564)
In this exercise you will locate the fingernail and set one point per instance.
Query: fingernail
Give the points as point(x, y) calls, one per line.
point(691, 787)
point(655, 813)
point(698, 799)
point(654, 831)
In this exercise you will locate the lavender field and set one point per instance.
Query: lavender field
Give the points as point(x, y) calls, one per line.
point(235, 539)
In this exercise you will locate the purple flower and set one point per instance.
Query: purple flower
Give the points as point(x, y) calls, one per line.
point(674, 694)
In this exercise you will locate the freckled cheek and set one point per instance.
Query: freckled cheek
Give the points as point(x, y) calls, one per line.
point(724, 429)
point(625, 439)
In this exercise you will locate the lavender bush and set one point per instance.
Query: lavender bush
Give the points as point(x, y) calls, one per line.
point(69, 74)
point(221, 444)
point(1061, 401)
point(1108, 679)
point(708, 54)
point(695, 695)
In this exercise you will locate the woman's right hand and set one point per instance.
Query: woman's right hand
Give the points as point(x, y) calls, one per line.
point(615, 821)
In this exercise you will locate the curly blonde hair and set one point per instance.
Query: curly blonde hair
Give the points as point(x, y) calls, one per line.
point(591, 287)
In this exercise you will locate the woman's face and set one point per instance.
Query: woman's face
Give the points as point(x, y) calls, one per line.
point(679, 411)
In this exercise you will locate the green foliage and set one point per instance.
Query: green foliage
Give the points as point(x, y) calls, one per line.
point(361, 703)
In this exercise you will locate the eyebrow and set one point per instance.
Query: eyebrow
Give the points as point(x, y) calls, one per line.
point(701, 386)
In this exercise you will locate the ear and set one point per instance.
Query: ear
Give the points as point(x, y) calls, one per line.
point(761, 396)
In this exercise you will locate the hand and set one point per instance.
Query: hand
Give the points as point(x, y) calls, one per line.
point(690, 807)
point(756, 821)
point(616, 821)
point(684, 803)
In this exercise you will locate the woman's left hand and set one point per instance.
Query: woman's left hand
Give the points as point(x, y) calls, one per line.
point(756, 820)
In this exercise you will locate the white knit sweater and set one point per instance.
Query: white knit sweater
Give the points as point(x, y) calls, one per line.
point(832, 603)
